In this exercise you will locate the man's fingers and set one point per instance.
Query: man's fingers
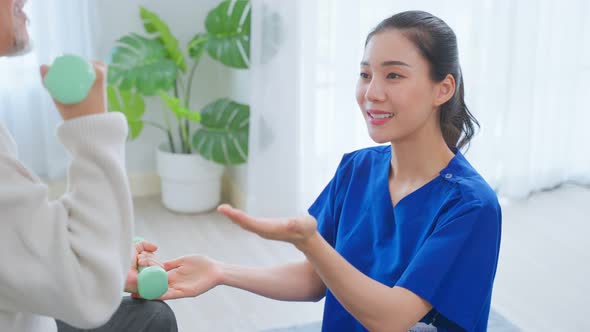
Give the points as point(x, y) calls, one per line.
point(148, 259)
point(43, 70)
point(145, 246)
point(101, 69)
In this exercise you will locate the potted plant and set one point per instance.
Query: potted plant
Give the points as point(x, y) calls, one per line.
point(197, 143)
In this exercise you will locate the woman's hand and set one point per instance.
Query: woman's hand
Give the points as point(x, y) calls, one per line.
point(190, 276)
point(293, 230)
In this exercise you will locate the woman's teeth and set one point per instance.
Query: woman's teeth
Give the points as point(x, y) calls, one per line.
point(381, 116)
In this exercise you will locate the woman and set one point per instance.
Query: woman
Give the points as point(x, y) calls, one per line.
point(405, 235)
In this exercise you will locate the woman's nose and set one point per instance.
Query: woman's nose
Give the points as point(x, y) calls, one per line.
point(374, 91)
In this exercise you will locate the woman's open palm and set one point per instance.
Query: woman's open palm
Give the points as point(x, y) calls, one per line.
point(190, 276)
point(293, 230)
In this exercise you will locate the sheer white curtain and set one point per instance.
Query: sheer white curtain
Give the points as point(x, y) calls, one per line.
point(56, 27)
point(304, 114)
point(526, 66)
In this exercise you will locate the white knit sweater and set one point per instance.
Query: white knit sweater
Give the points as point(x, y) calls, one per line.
point(67, 258)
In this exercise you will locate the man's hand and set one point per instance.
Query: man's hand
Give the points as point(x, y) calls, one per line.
point(145, 250)
point(95, 102)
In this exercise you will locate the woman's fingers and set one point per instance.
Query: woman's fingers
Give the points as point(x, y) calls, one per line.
point(267, 228)
point(172, 293)
point(173, 264)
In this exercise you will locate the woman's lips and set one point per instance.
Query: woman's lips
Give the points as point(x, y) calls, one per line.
point(378, 117)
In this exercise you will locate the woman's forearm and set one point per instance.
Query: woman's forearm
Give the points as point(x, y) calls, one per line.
point(290, 282)
point(377, 306)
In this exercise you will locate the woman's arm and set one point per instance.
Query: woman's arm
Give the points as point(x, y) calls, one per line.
point(194, 275)
point(376, 306)
point(290, 282)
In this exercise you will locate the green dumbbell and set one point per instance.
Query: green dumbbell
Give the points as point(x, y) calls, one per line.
point(152, 281)
point(70, 78)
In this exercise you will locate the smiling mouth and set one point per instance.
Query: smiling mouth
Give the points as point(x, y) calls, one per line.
point(380, 116)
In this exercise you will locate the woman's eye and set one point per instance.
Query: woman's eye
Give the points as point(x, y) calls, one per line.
point(364, 76)
point(393, 75)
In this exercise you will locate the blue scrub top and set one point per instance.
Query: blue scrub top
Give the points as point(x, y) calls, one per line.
point(441, 242)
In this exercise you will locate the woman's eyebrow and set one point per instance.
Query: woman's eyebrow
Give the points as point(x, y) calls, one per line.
point(387, 63)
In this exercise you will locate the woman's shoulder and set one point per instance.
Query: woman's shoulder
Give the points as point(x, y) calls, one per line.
point(369, 154)
point(468, 185)
point(362, 162)
point(471, 201)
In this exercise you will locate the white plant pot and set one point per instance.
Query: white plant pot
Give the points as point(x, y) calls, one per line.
point(190, 183)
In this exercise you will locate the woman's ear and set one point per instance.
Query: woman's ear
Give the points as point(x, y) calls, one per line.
point(445, 90)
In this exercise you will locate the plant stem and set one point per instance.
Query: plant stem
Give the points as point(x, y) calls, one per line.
point(153, 124)
point(182, 149)
point(187, 99)
point(187, 129)
point(169, 131)
point(182, 129)
point(180, 82)
point(171, 140)
point(182, 88)
point(189, 87)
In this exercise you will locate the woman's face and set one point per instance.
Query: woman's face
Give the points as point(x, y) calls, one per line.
point(394, 90)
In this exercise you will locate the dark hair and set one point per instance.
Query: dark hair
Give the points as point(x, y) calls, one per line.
point(437, 42)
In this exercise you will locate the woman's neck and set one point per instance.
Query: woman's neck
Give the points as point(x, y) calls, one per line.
point(420, 157)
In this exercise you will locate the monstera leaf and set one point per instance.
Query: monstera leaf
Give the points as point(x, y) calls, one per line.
point(197, 46)
point(180, 112)
point(223, 137)
point(131, 105)
point(228, 26)
point(141, 64)
point(154, 25)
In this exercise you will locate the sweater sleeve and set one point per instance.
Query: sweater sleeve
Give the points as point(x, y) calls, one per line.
point(68, 258)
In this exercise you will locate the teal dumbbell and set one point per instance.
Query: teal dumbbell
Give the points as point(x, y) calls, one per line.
point(152, 281)
point(70, 78)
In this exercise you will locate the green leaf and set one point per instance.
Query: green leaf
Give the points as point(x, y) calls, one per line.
point(223, 137)
point(135, 128)
point(153, 24)
point(228, 26)
point(131, 105)
point(175, 106)
point(141, 64)
point(197, 46)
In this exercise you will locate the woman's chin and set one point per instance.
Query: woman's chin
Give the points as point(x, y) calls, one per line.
point(379, 138)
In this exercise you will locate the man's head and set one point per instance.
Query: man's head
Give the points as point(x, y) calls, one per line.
point(14, 38)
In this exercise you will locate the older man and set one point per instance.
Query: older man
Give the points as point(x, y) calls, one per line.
point(68, 259)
